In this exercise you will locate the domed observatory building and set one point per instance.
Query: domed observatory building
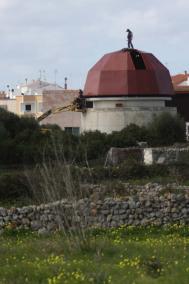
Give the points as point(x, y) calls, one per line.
point(124, 87)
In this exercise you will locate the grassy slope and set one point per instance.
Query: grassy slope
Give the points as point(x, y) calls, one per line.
point(117, 256)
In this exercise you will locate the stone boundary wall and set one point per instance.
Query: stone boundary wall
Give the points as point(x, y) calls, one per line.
point(146, 205)
point(148, 156)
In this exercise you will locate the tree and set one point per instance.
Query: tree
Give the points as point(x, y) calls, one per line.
point(10, 121)
point(127, 137)
point(4, 134)
point(166, 129)
point(93, 144)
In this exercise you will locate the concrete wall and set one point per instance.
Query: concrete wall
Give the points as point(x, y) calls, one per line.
point(166, 155)
point(116, 156)
point(128, 102)
point(109, 119)
point(61, 98)
point(148, 156)
point(8, 104)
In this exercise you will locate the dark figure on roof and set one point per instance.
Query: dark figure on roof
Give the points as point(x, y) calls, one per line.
point(130, 38)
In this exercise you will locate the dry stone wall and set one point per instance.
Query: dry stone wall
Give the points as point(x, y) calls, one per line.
point(145, 205)
point(149, 156)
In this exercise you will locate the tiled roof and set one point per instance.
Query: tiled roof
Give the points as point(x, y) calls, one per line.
point(179, 85)
point(179, 78)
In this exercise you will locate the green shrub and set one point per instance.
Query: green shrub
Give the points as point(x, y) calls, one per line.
point(158, 170)
point(13, 185)
point(28, 123)
point(10, 121)
point(127, 137)
point(93, 145)
point(4, 134)
point(131, 169)
point(22, 140)
point(166, 129)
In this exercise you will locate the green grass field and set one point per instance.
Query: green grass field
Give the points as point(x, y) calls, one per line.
point(120, 256)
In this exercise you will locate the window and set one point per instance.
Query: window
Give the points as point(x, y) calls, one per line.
point(72, 130)
point(119, 105)
point(75, 131)
point(137, 59)
point(89, 104)
point(28, 108)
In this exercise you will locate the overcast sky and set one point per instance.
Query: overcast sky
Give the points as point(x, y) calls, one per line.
point(71, 35)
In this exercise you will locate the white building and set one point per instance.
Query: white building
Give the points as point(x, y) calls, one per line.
point(36, 87)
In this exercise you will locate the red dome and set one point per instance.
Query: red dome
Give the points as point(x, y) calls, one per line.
point(128, 72)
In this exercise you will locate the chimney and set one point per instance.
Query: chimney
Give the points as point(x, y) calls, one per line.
point(185, 72)
point(65, 84)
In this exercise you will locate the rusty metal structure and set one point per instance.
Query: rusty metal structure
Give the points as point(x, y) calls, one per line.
point(128, 72)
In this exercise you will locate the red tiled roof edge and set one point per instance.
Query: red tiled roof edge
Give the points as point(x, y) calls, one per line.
point(179, 78)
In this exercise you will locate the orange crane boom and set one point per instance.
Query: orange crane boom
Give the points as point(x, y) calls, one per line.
point(76, 105)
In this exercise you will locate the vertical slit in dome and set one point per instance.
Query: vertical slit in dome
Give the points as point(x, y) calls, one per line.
point(137, 59)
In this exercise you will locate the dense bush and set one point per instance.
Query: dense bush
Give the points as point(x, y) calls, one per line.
point(22, 140)
point(127, 137)
point(4, 134)
point(10, 121)
point(13, 186)
point(125, 171)
point(93, 145)
point(166, 129)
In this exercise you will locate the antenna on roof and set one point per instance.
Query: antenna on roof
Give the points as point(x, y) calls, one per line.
point(65, 84)
point(44, 75)
point(8, 91)
point(40, 74)
point(55, 76)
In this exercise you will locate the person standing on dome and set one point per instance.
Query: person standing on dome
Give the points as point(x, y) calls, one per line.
point(130, 38)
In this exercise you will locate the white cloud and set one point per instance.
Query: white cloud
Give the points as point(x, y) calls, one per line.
point(4, 4)
point(71, 35)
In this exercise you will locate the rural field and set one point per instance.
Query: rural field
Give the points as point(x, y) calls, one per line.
point(94, 142)
point(123, 255)
point(39, 168)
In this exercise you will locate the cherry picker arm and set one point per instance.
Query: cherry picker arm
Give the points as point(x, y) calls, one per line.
point(77, 105)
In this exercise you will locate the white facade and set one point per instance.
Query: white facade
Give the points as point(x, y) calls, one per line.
point(36, 87)
point(8, 104)
point(165, 155)
point(184, 83)
point(114, 114)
